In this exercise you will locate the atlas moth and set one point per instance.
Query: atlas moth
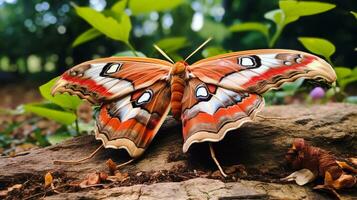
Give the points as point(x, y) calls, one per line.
point(210, 97)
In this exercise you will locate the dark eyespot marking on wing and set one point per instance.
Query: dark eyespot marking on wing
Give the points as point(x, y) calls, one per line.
point(202, 92)
point(249, 62)
point(144, 98)
point(111, 68)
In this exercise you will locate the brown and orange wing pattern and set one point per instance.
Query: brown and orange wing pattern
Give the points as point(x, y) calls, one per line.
point(210, 111)
point(132, 121)
point(111, 78)
point(223, 92)
point(257, 71)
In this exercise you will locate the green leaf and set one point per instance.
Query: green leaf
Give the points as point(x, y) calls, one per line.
point(130, 54)
point(140, 6)
point(346, 81)
point(318, 46)
point(213, 29)
point(119, 6)
point(213, 51)
point(175, 57)
point(109, 26)
point(276, 16)
point(44, 110)
point(172, 44)
point(342, 72)
point(41, 139)
point(63, 100)
point(251, 26)
point(88, 35)
point(304, 8)
point(58, 137)
point(354, 14)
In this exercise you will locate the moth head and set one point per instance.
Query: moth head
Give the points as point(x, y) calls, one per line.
point(179, 67)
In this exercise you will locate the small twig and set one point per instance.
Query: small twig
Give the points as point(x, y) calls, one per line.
point(77, 161)
point(126, 163)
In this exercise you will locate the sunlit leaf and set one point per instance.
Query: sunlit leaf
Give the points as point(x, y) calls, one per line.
point(109, 26)
point(304, 8)
point(119, 6)
point(86, 36)
point(140, 6)
point(354, 14)
point(213, 51)
point(318, 46)
point(63, 100)
point(130, 54)
point(251, 26)
point(43, 110)
point(342, 72)
point(172, 44)
point(276, 16)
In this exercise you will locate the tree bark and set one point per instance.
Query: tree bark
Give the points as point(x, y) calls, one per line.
point(258, 147)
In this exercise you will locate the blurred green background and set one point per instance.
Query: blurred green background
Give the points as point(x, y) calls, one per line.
point(37, 36)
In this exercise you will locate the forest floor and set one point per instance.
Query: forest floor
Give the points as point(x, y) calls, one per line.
point(253, 156)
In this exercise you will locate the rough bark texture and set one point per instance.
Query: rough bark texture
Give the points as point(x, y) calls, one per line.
point(259, 146)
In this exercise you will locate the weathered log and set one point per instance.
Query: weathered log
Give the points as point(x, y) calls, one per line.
point(259, 146)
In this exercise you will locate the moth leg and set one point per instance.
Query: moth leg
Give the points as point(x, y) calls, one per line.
point(126, 163)
point(215, 160)
point(80, 160)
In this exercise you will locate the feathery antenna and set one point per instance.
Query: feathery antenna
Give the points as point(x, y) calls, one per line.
point(163, 53)
point(198, 48)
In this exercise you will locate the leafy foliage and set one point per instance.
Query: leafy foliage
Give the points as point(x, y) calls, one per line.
point(88, 35)
point(170, 45)
point(319, 46)
point(51, 111)
point(354, 14)
point(251, 26)
point(115, 27)
point(140, 7)
point(213, 51)
point(65, 101)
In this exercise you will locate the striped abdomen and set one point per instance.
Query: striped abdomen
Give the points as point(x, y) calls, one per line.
point(177, 89)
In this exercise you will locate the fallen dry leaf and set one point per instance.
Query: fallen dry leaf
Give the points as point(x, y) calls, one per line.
point(112, 166)
point(119, 177)
point(103, 176)
point(236, 169)
point(216, 174)
point(316, 162)
point(301, 177)
point(48, 179)
point(94, 179)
